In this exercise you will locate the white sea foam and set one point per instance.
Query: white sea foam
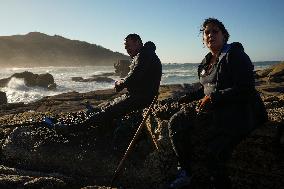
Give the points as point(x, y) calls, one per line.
point(17, 91)
point(17, 84)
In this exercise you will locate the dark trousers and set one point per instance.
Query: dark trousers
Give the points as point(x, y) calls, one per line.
point(200, 144)
point(119, 107)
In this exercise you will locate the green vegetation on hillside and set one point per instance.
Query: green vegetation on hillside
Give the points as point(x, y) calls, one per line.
point(38, 49)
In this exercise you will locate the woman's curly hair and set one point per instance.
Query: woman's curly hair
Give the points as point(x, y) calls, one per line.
point(217, 23)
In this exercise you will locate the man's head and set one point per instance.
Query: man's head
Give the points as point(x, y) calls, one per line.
point(133, 44)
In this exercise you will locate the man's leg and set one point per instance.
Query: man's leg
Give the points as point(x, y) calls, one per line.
point(117, 108)
point(124, 105)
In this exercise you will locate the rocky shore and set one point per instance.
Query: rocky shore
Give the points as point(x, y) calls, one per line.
point(36, 156)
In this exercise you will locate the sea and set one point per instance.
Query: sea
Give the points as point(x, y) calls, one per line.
point(17, 91)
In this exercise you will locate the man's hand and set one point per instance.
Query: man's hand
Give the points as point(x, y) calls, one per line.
point(204, 104)
point(183, 99)
point(118, 85)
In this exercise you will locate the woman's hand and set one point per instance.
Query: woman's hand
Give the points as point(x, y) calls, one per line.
point(204, 104)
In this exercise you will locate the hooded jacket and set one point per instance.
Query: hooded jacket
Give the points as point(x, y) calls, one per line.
point(236, 105)
point(235, 79)
point(145, 74)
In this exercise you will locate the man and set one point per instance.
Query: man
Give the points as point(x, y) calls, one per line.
point(142, 82)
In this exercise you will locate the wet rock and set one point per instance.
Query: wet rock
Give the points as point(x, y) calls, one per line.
point(13, 181)
point(122, 67)
point(262, 73)
point(4, 82)
point(51, 86)
point(18, 178)
point(272, 82)
point(277, 70)
point(78, 79)
point(93, 79)
point(274, 73)
point(45, 183)
point(3, 98)
point(44, 80)
point(103, 79)
point(97, 187)
point(32, 80)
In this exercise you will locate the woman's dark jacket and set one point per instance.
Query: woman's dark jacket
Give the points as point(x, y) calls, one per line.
point(236, 106)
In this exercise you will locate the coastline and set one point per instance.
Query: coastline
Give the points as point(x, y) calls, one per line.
point(41, 157)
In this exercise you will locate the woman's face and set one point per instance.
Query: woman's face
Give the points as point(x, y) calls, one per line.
point(213, 37)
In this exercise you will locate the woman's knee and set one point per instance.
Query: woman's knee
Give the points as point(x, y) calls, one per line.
point(178, 123)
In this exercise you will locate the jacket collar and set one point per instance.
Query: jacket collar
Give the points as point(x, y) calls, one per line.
point(224, 51)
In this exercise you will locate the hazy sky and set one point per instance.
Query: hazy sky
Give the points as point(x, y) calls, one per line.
point(172, 24)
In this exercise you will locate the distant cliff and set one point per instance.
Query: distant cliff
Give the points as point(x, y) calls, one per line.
point(38, 49)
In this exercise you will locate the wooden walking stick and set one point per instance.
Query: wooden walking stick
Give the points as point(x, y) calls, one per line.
point(153, 138)
point(130, 146)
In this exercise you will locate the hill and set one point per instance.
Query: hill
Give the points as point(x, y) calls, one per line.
point(38, 49)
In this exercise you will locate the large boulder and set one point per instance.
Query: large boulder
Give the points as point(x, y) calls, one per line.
point(4, 82)
point(93, 79)
point(3, 98)
point(44, 80)
point(270, 81)
point(122, 67)
point(29, 78)
point(32, 80)
point(274, 73)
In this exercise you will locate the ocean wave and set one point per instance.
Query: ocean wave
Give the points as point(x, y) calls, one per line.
point(17, 84)
point(17, 91)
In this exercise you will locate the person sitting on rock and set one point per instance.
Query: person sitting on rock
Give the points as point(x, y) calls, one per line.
point(204, 136)
point(142, 82)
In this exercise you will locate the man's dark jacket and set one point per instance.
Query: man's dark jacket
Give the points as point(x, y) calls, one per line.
point(145, 74)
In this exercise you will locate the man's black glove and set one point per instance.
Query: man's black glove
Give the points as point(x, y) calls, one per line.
point(119, 86)
point(184, 99)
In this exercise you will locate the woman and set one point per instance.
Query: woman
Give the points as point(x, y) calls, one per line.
point(226, 113)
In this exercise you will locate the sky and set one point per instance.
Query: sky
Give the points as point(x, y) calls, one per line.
point(173, 25)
